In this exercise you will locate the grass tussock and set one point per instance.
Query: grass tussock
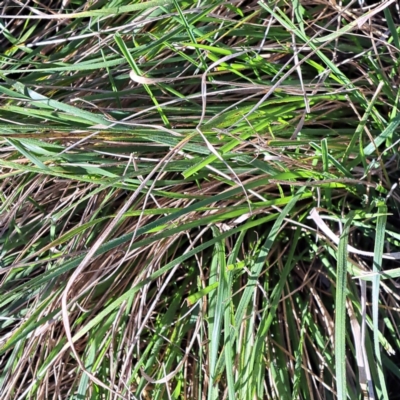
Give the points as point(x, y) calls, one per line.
point(199, 199)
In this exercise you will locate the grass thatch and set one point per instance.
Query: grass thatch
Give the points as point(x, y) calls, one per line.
point(199, 200)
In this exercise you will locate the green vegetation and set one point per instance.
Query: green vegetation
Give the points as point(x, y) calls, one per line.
point(199, 200)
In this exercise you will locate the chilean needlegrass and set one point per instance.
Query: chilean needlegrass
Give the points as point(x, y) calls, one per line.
point(199, 200)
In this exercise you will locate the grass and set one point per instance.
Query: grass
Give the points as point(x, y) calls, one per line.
point(199, 200)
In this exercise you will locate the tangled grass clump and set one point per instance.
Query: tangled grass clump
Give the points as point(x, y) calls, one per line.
point(199, 200)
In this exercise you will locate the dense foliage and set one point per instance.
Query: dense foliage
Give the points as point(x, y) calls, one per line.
point(199, 199)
